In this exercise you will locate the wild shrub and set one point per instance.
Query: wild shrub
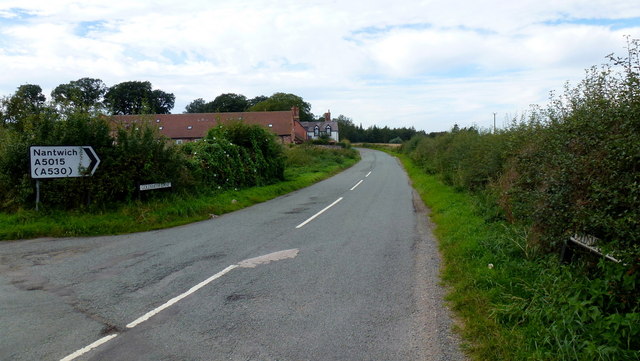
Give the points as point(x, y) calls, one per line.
point(135, 156)
point(570, 167)
point(236, 155)
point(581, 171)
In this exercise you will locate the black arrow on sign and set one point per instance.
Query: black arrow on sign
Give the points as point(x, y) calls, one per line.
point(94, 159)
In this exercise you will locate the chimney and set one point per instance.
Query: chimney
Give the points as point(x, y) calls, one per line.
point(296, 113)
point(327, 116)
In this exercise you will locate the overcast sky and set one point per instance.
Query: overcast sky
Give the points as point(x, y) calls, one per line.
point(428, 64)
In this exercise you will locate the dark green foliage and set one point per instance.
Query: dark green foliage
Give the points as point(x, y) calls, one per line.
point(285, 101)
point(517, 302)
point(199, 106)
point(85, 93)
point(373, 134)
point(223, 103)
point(230, 102)
point(466, 159)
point(236, 155)
point(138, 156)
point(572, 167)
point(27, 101)
point(137, 97)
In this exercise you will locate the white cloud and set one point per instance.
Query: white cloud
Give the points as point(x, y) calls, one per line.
point(423, 63)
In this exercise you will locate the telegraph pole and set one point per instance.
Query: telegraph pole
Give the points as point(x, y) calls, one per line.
point(494, 122)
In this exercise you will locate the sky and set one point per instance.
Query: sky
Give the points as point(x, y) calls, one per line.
point(405, 63)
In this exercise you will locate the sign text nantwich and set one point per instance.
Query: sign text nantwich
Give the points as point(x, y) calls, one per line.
point(63, 161)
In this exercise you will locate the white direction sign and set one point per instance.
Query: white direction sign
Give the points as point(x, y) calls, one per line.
point(63, 161)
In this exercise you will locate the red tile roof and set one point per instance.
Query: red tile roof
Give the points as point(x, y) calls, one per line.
point(196, 125)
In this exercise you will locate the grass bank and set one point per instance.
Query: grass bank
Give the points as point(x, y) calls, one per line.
point(305, 166)
point(517, 302)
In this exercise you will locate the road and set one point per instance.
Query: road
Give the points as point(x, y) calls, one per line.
point(346, 269)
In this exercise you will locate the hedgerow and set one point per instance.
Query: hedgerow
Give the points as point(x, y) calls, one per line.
point(572, 167)
point(230, 156)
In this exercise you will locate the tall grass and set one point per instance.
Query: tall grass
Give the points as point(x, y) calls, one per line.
point(517, 302)
point(505, 202)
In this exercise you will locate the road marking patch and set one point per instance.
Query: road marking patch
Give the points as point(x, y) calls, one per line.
point(247, 263)
point(268, 258)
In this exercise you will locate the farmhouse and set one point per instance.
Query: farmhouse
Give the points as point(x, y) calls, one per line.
point(182, 128)
point(328, 128)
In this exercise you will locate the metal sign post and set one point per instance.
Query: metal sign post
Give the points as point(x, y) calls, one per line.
point(61, 162)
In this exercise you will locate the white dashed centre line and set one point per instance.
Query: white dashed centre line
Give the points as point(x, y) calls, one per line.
point(357, 184)
point(319, 213)
point(248, 263)
point(368, 174)
point(176, 299)
point(88, 348)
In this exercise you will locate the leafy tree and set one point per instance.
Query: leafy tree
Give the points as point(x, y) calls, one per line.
point(198, 106)
point(161, 102)
point(230, 102)
point(223, 103)
point(285, 101)
point(253, 101)
point(27, 100)
point(137, 97)
point(84, 93)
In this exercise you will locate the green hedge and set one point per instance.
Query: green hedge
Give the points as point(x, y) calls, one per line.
point(232, 156)
point(572, 167)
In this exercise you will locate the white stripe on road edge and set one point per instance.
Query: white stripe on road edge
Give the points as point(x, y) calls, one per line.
point(357, 184)
point(247, 263)
point(319, 213)
point(174, 300)
point(368, 174)
point(86, 349)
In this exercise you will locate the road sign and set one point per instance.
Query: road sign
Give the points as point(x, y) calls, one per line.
point(146, 187)
point(63, 161)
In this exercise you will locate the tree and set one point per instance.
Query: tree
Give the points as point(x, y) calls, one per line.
point(347, 129)
point(253, 101)
point(285, 101)
point(27, 100)
point(230, 102)
point(161, 102)
point(85, 94)
point(198, 106)
point(137, 97)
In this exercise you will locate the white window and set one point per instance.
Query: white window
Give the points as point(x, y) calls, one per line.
point(316, 130)
point(190, 127)
point(328, 130)
point(178, 141)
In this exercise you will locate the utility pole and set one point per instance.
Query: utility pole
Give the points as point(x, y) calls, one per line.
point(494, 122)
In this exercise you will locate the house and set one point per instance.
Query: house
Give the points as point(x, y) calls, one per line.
point(329, 128)
point(189, 127)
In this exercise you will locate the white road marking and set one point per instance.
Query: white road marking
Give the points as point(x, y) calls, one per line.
point(357, 184)
point(247, 263)
point(319, 213)
point(268, 258)
point(367, 174)
point(174, 300)
point(88, 348)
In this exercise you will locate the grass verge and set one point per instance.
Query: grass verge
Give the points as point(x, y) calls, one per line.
point(305, 166)
point(517, 302)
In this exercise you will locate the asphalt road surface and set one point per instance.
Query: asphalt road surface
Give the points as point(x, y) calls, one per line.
point(346, 269)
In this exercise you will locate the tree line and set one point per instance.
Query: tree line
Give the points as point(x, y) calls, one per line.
point(373, 134)
point(139, 97)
